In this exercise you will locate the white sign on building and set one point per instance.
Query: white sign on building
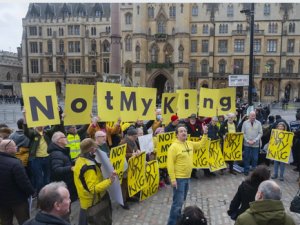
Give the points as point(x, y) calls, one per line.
point(238, 80)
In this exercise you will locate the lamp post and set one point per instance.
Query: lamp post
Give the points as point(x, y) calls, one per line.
point(65, 82)
point(250, 13)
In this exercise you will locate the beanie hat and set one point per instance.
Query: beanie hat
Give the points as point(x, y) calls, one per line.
point(174, 117)
point(87, 144)
point(132, 131)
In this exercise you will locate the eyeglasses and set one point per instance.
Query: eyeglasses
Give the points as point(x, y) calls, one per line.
point(100, 136)
point(62, 137)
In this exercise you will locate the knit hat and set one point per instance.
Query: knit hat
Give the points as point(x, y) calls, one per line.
point(193, 116)
point(174, 117)
point(125, 126)
point(87, 144)
point(132, 131)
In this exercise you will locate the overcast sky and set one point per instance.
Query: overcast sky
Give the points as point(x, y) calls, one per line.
point(11, 15)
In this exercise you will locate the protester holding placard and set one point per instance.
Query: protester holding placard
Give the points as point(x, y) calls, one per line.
point(97, 125)
point(100, 138)
point(131, 150)
point(180, 164)
point(277, 164)
point(90, 184)
point(228, 126)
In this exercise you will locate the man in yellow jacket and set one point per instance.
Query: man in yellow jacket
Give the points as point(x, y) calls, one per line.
point(180, 165)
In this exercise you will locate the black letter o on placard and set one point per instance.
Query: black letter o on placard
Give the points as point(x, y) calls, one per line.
point(74, 105)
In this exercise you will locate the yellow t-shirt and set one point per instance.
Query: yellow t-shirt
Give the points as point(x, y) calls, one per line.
point(231, 128)
point(42, 148)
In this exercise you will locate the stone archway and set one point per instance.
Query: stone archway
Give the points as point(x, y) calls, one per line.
point(162, 82)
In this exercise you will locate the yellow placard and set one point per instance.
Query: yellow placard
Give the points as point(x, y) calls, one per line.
point(216, 102)
point(117, 159)
point(146, 103)
point(233, 146)
point(108, 101)
point(40, 103)
point(128, 104)
point(136, 174)
point(280, 145)
point(164, 141)
point(152, 180)
point(187, 102)
point(78, 104)
point(201, 156)
point(195, 139)
point(168, 106)
point(216, 159)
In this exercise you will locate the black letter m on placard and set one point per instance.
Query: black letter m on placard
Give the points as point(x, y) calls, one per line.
point(35, 104)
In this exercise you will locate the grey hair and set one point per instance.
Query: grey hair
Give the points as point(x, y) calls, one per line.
point(56, 136)
point(49, 194)
point(270, 190)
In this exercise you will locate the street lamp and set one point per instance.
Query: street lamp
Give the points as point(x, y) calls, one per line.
point(64, 85)
point(250, 13)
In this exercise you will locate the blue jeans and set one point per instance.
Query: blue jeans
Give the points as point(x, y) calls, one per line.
point(179, 196)
point(250, 154)
point(40, 171)
point(276, 166)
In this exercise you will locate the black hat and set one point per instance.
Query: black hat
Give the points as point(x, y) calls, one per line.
point(193, 116)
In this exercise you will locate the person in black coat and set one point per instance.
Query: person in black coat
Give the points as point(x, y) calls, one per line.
point(15, 186)
point(247, 190)
point(61, 164)
point(54, 204)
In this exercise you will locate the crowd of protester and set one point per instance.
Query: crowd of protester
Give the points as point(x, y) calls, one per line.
point(45, 161)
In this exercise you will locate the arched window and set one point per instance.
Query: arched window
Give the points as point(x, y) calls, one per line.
point(269, 89)
point(161, 25)
point(204, 67)
point(128, 43)
point(222, 67)
point(267, 9)
point(173, 31)
point(290, 66)
point(168, 50)
point(137, 54)
point(49, 45)
point(230, 10)
point(195, 10)
point(94, 66)
point(150, 12)
point(128, 18)
point(106, 46)
point(128, 68)
point(270, 66)
point(61, 66)
point(154, 54)
point(180, 56)
point(8, 77)
point(93, 45)
point(194, 29)
point(61, 46)
point(50, 65)
point(19, 77)
point(172, 11)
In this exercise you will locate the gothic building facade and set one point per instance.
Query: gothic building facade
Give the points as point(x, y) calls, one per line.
point(165, 45)
point(10, 73)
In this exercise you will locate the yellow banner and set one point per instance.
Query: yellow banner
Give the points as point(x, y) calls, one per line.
point(40, 103)
point(280, 145)
point(201, 157)
point(216, 159)
point(147, 103)
point(233, 146)
point(164, 141)
point(216, 102)
point(136, 174)
point(108, 101)
point(78, 106)
point(129, 110)
point(168, 106)
point(187, 102)
point(117, 159)
point(152, 180)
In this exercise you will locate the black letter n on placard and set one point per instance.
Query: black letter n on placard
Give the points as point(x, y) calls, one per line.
point(35, 103)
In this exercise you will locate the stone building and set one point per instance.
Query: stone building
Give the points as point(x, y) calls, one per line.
point(165, 45)
point(10, 73)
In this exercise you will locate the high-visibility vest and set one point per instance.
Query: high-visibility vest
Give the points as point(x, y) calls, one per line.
point(74, 145)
